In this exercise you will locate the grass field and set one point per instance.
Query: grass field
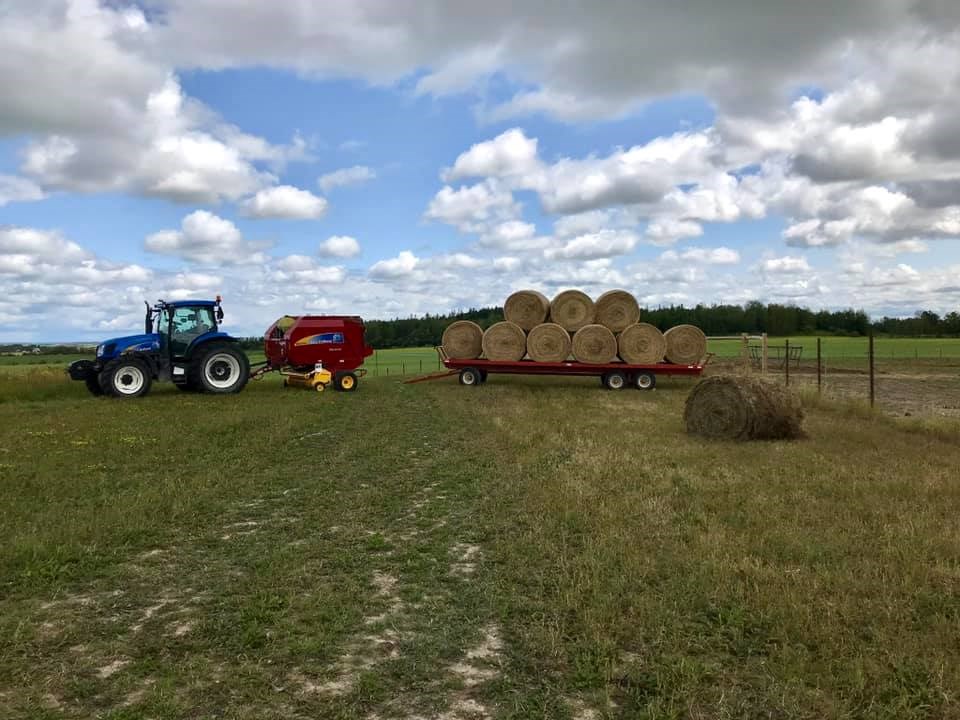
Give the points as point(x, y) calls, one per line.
point(531, 548)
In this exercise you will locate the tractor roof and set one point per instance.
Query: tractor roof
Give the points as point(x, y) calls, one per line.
point(192, 303)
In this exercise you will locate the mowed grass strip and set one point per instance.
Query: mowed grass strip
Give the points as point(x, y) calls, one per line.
point(527, 548)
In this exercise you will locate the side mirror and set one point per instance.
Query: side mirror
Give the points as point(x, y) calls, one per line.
point(219, 313)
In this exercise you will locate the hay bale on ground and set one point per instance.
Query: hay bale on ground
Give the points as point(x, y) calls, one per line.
point(731, 407)
point(463, 340)
point(595, 344)
point(548, 342)
point(571, 310)
point(504, 341)
point(526, 308)
point(686, 345)
point(617, 309)
point(642, 344)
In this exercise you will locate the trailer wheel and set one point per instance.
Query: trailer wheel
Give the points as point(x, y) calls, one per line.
point(645, 381)
point(345, 381)
point(470, 376)
point(126, 379)
point(614, 380)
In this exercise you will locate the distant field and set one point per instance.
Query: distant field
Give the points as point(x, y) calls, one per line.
point(846, 348)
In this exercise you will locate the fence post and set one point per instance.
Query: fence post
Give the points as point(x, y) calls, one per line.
point(786, 362)
point(376, 362)
point(403, 367)
point(745, 351)
point(819, 366)
point(763, 359)
point(421, 365)
point(872, 393)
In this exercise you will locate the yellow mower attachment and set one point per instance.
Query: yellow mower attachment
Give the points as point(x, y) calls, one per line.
point(317, 379)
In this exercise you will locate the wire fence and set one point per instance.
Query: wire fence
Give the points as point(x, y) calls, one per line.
point(894, 374)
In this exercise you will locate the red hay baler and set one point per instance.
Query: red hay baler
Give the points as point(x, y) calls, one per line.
point(315, 350)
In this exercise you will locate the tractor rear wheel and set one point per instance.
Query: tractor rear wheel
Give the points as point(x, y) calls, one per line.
point(93, 385)
point(219, 369)
point(345, 381)
point(126, 379)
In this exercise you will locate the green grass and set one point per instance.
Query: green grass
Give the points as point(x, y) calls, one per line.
point(531, 546)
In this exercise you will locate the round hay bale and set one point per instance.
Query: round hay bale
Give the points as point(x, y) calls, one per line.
point(571, 310)
point(504, 341)
point(463, 340)
point(642, 344)
point(595, 344)
point(617, 309)
point(526, 308)
point(731, 407)
point(686, 345)
point(548, 342)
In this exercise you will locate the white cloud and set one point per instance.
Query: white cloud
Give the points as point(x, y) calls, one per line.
point(285, 201)
point(18, 189)
point(207, 238)
point(341, 246)
point(785, 265)
point(404, 264)
point(473, 208)
point(510, 154)
point(602, 244)
point(346, 176)
point(706, 256)
point(300, 271)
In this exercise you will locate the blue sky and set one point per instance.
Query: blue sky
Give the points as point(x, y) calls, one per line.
point(371, 159)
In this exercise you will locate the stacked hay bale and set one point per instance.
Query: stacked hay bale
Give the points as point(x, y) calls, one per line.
point(573, 325)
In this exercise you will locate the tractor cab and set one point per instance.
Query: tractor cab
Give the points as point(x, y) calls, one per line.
point(182, 324)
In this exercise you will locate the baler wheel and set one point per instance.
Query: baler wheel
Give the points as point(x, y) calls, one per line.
point(345, 381)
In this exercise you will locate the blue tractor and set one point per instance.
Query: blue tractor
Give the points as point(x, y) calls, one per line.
point(181, 342)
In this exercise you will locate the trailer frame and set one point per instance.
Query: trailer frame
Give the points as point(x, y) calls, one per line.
point(615, 375)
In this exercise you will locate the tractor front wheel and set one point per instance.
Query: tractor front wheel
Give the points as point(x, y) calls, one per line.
point(93, 385)
point(220, 369)
point(126, 379)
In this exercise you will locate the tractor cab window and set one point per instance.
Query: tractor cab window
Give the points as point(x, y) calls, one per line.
point(186, 325)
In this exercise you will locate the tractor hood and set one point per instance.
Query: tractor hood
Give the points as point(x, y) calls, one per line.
point(109, 349)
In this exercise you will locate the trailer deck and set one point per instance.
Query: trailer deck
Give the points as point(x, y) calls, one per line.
point(615, 375)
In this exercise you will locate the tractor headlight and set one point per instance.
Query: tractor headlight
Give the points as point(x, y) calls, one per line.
point(99, 350)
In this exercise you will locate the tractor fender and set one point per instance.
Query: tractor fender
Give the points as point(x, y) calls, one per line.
point(205, 340)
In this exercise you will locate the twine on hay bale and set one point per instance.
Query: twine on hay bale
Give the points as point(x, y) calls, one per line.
point(595, 344)
point(617, 309)
point(504, 341)
point(526, 308)
point(642, 344)
point(686, 345)
point(463, 340)
point(740, 407)
point(548, 342)
point(571, 310)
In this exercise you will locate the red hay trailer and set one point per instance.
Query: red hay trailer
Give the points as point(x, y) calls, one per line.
point(614, 376)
